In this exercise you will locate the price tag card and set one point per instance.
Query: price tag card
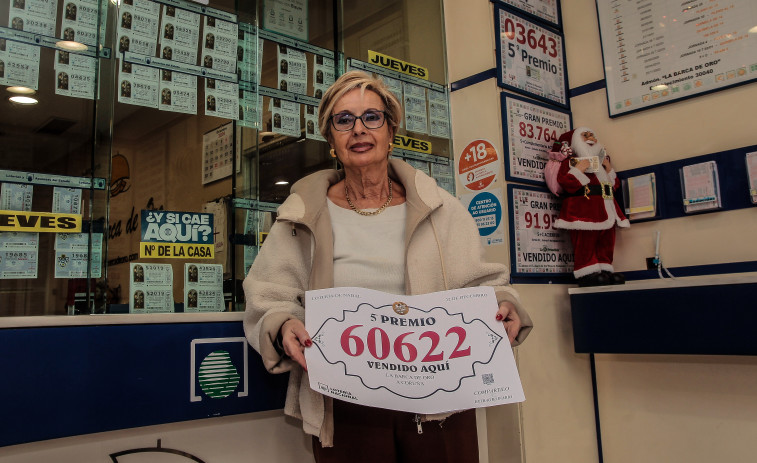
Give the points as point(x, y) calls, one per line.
point(536, 247)
point(529, 129)
point(530, 58)
point(428, 353)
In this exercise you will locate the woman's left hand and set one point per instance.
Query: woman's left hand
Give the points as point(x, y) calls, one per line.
point(508, 315)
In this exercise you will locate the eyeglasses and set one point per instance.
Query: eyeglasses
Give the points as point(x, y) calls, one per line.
point(372, 119)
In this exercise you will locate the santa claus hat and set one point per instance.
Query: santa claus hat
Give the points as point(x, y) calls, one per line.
point(567, 137)
point(570, 137)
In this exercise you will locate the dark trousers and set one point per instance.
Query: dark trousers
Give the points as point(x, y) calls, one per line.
point(367, 435)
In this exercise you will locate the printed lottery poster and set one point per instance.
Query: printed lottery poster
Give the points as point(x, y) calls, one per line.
point(529, 129)
point(178, 92)
point(19, 252)
point(249, 56)
point(288, 17)
point(221, 99)
point(437, 352)
point(292, 70)
point(75, 75)
point(72, 255)
point(486, 208)
point(414, 99)
point(138, 85)
point(285, 116)
point(203, 287)
point(438, 112)
point(249, 110)
point(530, 58)
point(79, 21)
point(219, 45)
point(177, 235)
point(536, 247)
point(35, 16)
point(19, 64)
point(323, 75)
point(312, 129)
point(179, 35)
point(138, 24)
point(545, 10)
point(478, 165)
point(150, 288)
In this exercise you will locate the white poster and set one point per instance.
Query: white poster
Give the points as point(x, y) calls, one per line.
point(138, 85)
point(19, 64)
point(544, 9)
point(138, 24)
point(288, 17)
point(689, 48)
point(531, 58)
point(323, 75)
point(312, 129)
point(203, 287)
point(75, 75)
point(72, 255)
point(538, 247)
point(292, 70)
point(428, 353)
point(150, 288)
point(178, 92)
point(286, 117)
point(219, 45)
point(249, 109)
point(416, 119)
point(179, 35)
point(79, 21)
point(19, 252)
point(249, 56)
point(221, 99)
point(438, 112)
point(35, 16)
point(530, 129)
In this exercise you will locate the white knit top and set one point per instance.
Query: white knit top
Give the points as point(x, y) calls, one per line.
point(369, 251)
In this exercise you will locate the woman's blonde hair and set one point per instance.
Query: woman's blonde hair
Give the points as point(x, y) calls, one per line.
point(350, 81)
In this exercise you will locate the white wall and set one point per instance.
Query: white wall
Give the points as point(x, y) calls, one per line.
point(653, 407)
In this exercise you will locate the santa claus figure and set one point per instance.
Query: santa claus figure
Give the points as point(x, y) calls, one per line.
point(589, 209)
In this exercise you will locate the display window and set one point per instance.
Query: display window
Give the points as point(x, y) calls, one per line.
point(145, 145)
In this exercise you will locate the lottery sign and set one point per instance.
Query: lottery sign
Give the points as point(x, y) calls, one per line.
point(427, 353)
point(530, 58)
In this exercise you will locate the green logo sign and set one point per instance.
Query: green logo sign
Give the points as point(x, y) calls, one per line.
point(217, 375)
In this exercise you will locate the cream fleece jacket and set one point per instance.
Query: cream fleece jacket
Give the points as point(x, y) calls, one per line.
point(443, 251)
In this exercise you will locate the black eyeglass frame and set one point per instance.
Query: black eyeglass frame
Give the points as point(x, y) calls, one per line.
point(354, 121)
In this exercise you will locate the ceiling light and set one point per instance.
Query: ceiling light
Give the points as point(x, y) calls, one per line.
point(21, 90)
point(659, 87)
point(282, 182)
point(70, 45)
point(23, 100)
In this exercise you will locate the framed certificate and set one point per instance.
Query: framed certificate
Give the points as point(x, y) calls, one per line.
point(687, 50)
point(530, 57)
point(536, 247)
point(529, 129)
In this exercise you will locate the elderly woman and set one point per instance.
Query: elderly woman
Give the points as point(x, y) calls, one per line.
point(377, 224)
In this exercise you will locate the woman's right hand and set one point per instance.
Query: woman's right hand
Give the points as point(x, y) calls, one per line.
point(294, 339)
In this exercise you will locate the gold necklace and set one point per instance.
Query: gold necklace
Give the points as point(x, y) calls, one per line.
point(377, 211)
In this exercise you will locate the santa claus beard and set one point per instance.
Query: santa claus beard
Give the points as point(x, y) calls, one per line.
point(585, 150)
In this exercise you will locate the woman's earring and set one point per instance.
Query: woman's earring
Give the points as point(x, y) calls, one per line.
point(332, 153)
point(391, 147)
